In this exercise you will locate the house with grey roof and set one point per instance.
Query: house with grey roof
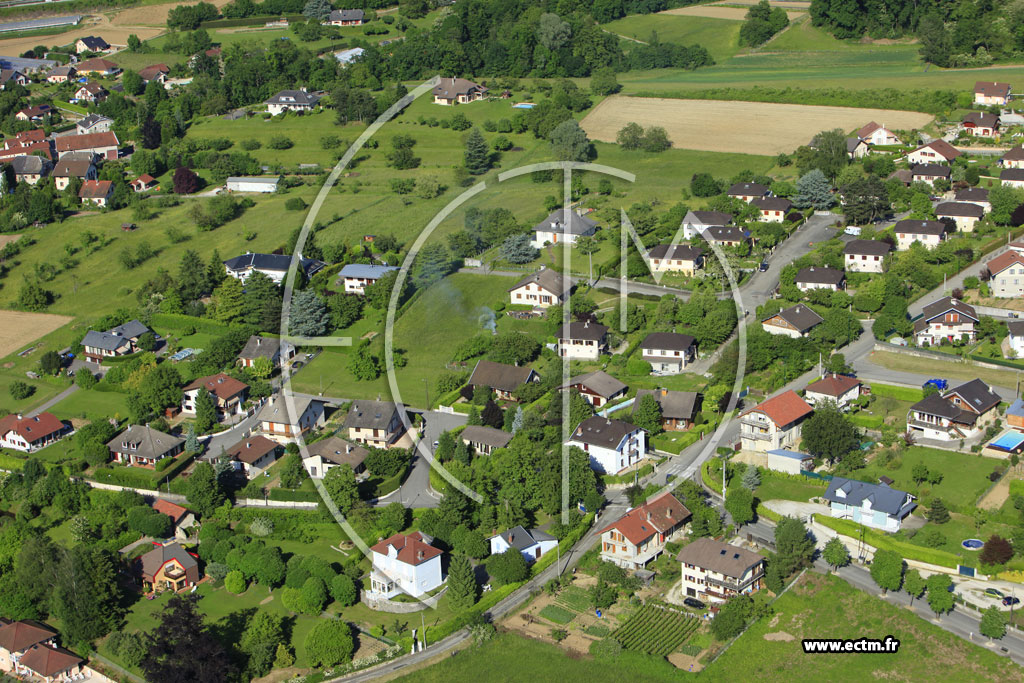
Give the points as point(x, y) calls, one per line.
point(675, 258)
point(292, 100)
point(502, 378)
point(795, 321)
point(484, 440)
point(274, 266)
point(30, 169)
point(451, 91)
point(581, 340)
point(598, 387)
point(695, 222)
point(94, 123)
point(375, 423)
point(356, 277)
point(143, 446)
point(324, 455)
point(562, 228)
point(865, 256)
point(611, 445)
point(748, 191)
point(118, 341)
point(168, 567)
point(270, 348)
point(531, 543)
point(716, 571)
point(873, 505)
point(820, 277)
point(668, 352)
point(963, 412)
point(284, 419)
point(678, 408)
point(345, 17)
point(541, 289)
point(928, 233)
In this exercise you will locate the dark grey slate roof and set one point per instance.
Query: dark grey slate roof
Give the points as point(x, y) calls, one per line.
point(258, 346)
point(683, 252)
point(103, 340)
point(913, 226)
point(756, 189)
point(347, 15)
point(965, 209)
point(976, 394)
point(800, 316)
point(499, 376)
point(151, 443)
point(521, 539)
point(584, 330)
point(676, 405)
point(496, 438)
point(130, 329)
point(30, 164)
point(94, 42)
point(548, 278)
point(934, 404)
point(948, 303)
point(294, 97)
point(602, 431)
point(772, 203)
point(91, 120)
point(728, 233)
point(556, 222)
point(669, 341)
point(370, 414)
point(867, 247)
point(820, 275)
point(278, 262)
point(931, 170)
point(710, 217)
point(972, 194)
point(1012, 174)
point(599, 382)
point(890, 501)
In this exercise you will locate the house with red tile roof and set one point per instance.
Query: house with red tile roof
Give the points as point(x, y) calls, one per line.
point(405, 563)
point(51, 663)
point(255, 454)
point(839, 389)
point(96, 192)
point(17, 637)
point(103, 145)
point(181, 517)
point(28, 434)
point(1006, 274)
point(143, 182)
point(229, 394)
point(774, 423)
point(640, 535)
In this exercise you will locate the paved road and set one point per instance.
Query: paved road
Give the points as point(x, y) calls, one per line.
point(228, 438)
point(415, 491)
point(53, 401)
point(916, 307)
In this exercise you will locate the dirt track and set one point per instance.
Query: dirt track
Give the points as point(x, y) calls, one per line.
point(18, 328)
point(742, 127)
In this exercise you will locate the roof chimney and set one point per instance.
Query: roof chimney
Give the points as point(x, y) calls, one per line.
point(419, 554)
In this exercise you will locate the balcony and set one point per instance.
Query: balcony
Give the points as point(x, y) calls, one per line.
point(733, 585)
point(756, 435)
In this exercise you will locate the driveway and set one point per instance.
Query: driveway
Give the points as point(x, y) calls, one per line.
point(222, 441)
point(415, 491)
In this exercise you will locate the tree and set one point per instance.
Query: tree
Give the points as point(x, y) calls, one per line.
point(462, 588)
point(887, 570)
point(919, 472)
point(393, 518)
point(340, 483)
point(993, 623)
point(553, 33)
point(631, 136)
point(49, 363)
point(192, 440)
point(518, 249)
point(996, 551)
point(206, 412)
point(936, 43)
point(704, 185)
point(329, 643)
point(160, 388)
point(33, 296)
point(647, 415)
point(655, 140)
point(913, 584)
point(832, 157)
point(813, 190)
point(234, 582)
point(508, 567)
point(938, 513)
point(345, 309)
point(262, 367)
point(835, 553)
point(203, 490)
point(263, 635)
point(794, 548)
point(183, 648)
point(829, 433)
point(569, 142)
point(20, 390)
point(739, 502)
point(751, 478)
point(865, 199)
point(478, 155)
point(344, 590)
point(85, 379)
point(193, 280)
point(185, 181)
point(603, 82)
point(940, 598)
point(230, 301)
point(308, 316)
point(317, 10)
point(732, 617)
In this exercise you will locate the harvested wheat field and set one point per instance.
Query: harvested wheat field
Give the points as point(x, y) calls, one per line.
point(743, 127)
point(153, 15)
point(18, 328)
point(720, 12)
point(785, 4)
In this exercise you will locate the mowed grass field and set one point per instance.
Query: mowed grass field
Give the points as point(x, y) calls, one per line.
point(722, 12)
point(717, 126)
point(926, 651)
point(719, 36)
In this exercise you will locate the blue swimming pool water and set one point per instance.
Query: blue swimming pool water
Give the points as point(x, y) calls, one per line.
point(524, 105)
point(1008, 441)
point(972, 543)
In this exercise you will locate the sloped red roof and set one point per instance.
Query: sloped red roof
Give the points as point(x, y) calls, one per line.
point(175, 512)
point(657, 515)
point(1005, 260)
point(412, 548)
point(31, 428)
point(784, 409)
point(21, 635)
point(70, 143)
point(836, 385)
point(222, 385)
point(145, 179)
point(49, 661)
point(95, 189)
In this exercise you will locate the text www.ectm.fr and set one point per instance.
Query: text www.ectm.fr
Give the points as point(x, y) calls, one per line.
point(838, 645)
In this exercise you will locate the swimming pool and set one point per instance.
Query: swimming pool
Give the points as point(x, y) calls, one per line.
point(524, 105)
point(1008, 441)
point(972, 543)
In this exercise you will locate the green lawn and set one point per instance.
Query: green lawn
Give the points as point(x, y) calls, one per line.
point(951, 370)
point(803, 36)
point(92, 405)
point(926, 651)
point(965, 475)
point(304, 131)
point(528, 660)
point(719, 36)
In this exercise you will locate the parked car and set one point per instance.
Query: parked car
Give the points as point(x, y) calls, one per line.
point(763, 267)
point(939, 384)
point(852, 230)
point(994, 593)
point(1009, 601)
point(694, 603)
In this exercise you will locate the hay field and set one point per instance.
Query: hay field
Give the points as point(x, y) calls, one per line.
point(719, 12)
point(19, 328)
point(742, 127)
point(152, 15)
point(785, 4)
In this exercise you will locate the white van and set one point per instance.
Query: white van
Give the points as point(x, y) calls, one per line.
point(852, 230)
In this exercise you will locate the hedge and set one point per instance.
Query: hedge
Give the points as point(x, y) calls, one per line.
point(571, 538)
point(125, 476)
point(900, 393)
point(489, 600)
point(762, 511)
point(179, 321)
point(609, 479)
point(250, 21)
point(295, 495)
point(177, 467)
point(882, 541)
point(390, 484)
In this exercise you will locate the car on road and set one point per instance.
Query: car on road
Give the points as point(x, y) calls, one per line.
point(436, 444)
point(1010, 601)
point(296, 364)
point(694, 603)
point(763, 267)
point(309, 356)
point(939, 384)
point(994, 593)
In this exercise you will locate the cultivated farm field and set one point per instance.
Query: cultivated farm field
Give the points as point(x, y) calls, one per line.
point(717, 126)
point(719, 12)
point(18, 328)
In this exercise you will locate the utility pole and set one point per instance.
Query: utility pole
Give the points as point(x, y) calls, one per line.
point(423, 630)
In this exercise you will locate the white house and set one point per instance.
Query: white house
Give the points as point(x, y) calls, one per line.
point(345, 17)
point(1014, 158)
point(324, 455)
point(1016, 337)
point(255, 454)
point(929, 173)
point(228, 394)
point(484, 440)
point(405, 563)
point(772, 209)
point(748, 191)
point(676, 258)
point(667, 352)
point(873, 505)
point(947, 318)
point(865, 256)
point(556, 229)
point(935, 152)
point(795, 321)
point(274, 266)
point(278, 422)
point(598, 387)
point(581, 340)
point(270, 348)
point(252, 184)
point(695, 222)
point(991, 92)
point(375, 423)
point(292, 100)
point(452, 91)
point(530, 543)
point(544, 288)
point(981, 124)
point(974, 195)
point(94, 123)
point(27, 434)
point(1012, 177)
point(964, 214)
point(774, 423)
point(820, 277)
point(929, 233)
point(714, 571)
point(839, 389)
point(640, 535)
point(356, 277)
point(878, 134)
point(612, 445)
point(961, 413)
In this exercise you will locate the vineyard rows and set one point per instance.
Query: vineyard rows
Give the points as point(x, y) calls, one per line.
point(656, 631)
